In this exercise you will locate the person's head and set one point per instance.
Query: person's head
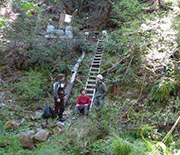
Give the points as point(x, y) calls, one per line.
point(61, 77)
point(82, 91)
point(99, 78)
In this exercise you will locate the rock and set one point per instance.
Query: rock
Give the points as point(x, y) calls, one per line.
point(22, 121)
point(42, 135)
point(2, 105)
point(11, 125)
point(60, 124)
point(59, 32)
point(31, 132)
point(58, 130)
point(69, 34)
point(26, 141)
point(38, 115)
point(50, 28)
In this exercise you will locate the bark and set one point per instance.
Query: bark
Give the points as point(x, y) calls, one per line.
point(114, 66)
point(109, 10)
point(69, 87)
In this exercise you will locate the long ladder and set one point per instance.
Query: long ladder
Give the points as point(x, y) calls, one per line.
point(94, 71)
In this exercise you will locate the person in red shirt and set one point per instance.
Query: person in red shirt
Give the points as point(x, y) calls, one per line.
point(83, 102)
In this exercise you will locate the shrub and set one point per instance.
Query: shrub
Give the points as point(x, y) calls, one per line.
point(161, 89)
point(31, 86)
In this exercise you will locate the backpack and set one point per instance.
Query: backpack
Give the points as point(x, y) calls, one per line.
point(48, 112)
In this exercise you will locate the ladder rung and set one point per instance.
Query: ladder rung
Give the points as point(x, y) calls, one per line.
point(92, 69)
point(96, 61)
point(93, 81)
point(98, 54)
point(91, 85)
point(91, 76)
point(89, 95)
point(93, 72)
point(89, 89)
point(96, 64)
point(98, 57)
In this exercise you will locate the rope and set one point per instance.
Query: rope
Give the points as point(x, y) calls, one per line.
point(129, 109)
point(166, 137)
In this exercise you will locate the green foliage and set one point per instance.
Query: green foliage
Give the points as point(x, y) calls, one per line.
point(28, 6)
point(31, 86)
point(3, 21)
point(11, 144)
point(161, 89)
point(127, 10)
point(31, 48)
point(121, 147)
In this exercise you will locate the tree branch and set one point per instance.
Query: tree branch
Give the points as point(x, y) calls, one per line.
point(115, 65)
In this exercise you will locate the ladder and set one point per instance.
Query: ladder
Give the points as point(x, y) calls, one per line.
point(94, 71)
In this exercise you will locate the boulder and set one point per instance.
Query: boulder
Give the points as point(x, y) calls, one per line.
point(41, 135)
point(11, 125)
point(26, 141)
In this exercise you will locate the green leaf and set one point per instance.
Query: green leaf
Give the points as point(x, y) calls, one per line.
point(29, 14)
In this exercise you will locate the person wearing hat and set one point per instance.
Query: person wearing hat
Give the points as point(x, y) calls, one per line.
point(100, 92)
point(59, 96)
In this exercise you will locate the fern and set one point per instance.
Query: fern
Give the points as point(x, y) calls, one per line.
point(161, 89)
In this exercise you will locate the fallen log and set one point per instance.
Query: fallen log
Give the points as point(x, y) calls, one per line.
point(115, 65)
point(69, 87)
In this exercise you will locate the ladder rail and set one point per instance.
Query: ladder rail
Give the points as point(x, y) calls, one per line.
point(97, 59)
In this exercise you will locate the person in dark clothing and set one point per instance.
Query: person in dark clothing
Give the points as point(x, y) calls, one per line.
point(59, 96)
point(100, 92)
point(83, 102)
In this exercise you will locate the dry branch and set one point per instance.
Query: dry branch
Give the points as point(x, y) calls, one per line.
point(114, 66)
point(165, 138)
point(128, 68)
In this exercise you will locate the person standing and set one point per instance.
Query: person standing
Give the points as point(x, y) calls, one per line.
point(59, 96)
point(100, 92)
point(83, 102)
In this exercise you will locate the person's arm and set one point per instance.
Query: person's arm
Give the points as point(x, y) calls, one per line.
point(105, 91)
point(95, 87)
point(78, 100)
point(88, 101)
point(55, 90)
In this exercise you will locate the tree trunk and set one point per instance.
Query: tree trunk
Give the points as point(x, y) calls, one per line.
point(69, 87)
point(108, 15)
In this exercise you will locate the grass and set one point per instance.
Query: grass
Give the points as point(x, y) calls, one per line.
point(121, 147)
